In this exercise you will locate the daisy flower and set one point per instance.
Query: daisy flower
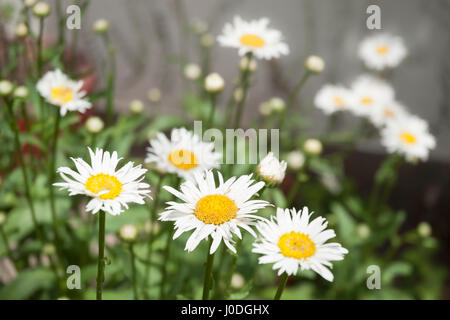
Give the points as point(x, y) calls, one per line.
point(290, 240)
point(60, 91)
point(271, 170)
point(331, 98)
point(184, 154)
point(216, 210)
point(408, 136)
point(382, 51)
point(389, 111)
point(110, 189)
point(368, 94)
point(254, 37)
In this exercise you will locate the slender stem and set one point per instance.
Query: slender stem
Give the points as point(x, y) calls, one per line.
point(281, 286)
point(110, 85)
point(296, 187)
point(293, 96)
point(133, 271)
point(208, 272)
point(101, 254)
point(8, 249)
point(52, 181)
point(24, 171)
point(164, 264)
point(152, 212)
point(233, 264)
point(245, 83)
point(39, 47)
point(212, 110)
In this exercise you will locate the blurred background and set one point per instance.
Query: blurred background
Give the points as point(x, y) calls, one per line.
point(155, 39)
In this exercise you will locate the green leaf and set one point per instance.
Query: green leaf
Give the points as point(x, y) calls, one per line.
point(27, 283)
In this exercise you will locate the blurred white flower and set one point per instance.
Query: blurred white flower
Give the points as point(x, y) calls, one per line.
point(94, 124)
point(41, 9)
point(332, 98)
point(207, 40)
point(408, 136)
point(363, 230)
point(63, 92)
point(382, 51)
point(255, 37)
point(291, 241)
point(192, 71)
point(277, 104)
point(21, 30)
point(237, 281)
point(368, 94)
point(6, 87)
point(154, 95)
point(386, 112)
point(136, 106)
point(128, 232)
point(246, 64)
point(313, 146)
point(424, 229)
point(271, 170)
point(101, 26)
point(295, 160)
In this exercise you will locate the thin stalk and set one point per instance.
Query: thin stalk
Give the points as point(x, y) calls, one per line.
point(293, 96)
point(245, 84)
point(165, 263)
point(101, 254)
point(110, 84)
point(152, 212)
point(39, 47)
point(52, 181)
point(233, 264)
point(208, 272)
point(281, 286)
point(133, 271)
point(212, 110)
point(9, 252)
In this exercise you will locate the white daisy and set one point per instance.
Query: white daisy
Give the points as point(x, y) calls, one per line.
point(214, 210)
point(382, 51)
point(255, 37)
point(271, 170)
point(184, 154)
point(290, 240)
point(332, 98)
point(408, 136)
point(110, 189)
point(61, 91)
point(368, 94)
point(389, 111)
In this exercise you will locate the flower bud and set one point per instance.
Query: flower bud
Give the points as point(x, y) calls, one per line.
point(265, 109)
point(314, 64)
point(207, 40)
point(128, 232)
point(199, 26)
point(237, 281)
point(2, 218)
point(424, 229)
point(238, 95)
point(101, 26)
point(277, 104)
point(29, 3)
point(214, 83)
point(41, 9)
point(21, 92)
point(154, 95)
point(21, 30)
point(246, 64)
point(6, 87)
point(363, 230)
point(313, 147)
point(271, 170)
point(48, 249)
point(94, 124)
point(192, 71)
point(295, 160)
point(136, 106)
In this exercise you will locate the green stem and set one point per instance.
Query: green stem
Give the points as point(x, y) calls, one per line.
point(101, 254)
point(281, 286)
point(8, 249)
point(293, 97)
point(152, 213)
point(164, 264)
point(110, 85)
point(133, 271)
point(233, 264)
point(212, 110)
point(245, 83)
point(39, 47)
point(208, 272)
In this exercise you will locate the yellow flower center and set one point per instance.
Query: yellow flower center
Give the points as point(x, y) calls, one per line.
point(366, 100)
point(61, 94)
point(389, 113)
point(215, 209)
point(382, 49)
point(296, 245)
point(252, 40)
point(408, 138)
point(104, 182)
point(338, 101)
point(183, 159)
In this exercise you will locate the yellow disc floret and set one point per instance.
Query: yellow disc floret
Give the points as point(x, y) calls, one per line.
point(382, 49)
point(183, 159)
point(296, 245)
point(366, 100)
point(338, 101)
point(215, 209)
point(252, 40)
point(101, 183)
point(61, 94)
point(408, 137)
